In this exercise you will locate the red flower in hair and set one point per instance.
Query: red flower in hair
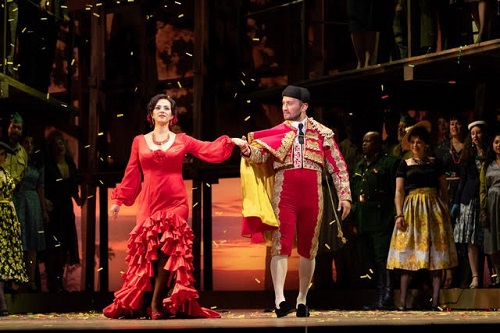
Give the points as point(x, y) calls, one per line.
point(174, 120)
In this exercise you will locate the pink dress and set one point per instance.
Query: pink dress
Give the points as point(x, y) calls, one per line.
point(162, 216)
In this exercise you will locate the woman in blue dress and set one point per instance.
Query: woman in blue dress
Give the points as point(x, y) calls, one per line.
point(30, 205)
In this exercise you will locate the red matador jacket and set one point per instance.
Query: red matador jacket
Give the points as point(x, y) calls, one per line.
point(271, 151)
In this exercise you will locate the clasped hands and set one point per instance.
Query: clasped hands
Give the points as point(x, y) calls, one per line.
point(243, 144)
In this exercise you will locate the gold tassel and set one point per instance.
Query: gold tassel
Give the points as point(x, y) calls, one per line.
point(339, 226)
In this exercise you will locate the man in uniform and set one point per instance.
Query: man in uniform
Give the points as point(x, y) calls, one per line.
point(373, 184)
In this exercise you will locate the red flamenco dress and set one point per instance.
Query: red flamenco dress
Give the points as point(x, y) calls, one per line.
point(162, 216)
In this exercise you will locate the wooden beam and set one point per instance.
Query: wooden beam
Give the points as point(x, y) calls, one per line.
point(98, 33)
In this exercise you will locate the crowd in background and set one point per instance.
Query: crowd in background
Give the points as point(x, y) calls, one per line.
point(467, 150)
point(45, 183)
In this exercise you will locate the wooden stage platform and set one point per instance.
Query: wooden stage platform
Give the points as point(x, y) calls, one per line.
point(249, 311)
point(340, 321)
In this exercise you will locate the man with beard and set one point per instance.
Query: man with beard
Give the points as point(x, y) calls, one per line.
point(373, 183)
point(290, 159)
point(16, 163)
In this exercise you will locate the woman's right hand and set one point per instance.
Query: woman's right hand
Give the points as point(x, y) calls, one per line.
point(243, 144)
point(113, 211)
point(401, 223)
point(239, 142)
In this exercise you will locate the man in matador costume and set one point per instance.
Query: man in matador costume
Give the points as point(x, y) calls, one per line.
point(281, 175)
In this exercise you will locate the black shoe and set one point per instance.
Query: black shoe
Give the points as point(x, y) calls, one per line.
point(283, 310)
point(375, 306)
point(302, 310)
point(387, 305)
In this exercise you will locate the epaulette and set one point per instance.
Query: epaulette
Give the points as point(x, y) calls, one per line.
point(322, 129)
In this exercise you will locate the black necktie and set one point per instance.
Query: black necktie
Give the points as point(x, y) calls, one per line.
point(301, 134)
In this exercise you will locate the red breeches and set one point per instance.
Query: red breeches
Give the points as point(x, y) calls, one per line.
point(299, 208)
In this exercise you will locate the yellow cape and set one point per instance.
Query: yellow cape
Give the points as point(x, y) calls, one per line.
point(259, 220)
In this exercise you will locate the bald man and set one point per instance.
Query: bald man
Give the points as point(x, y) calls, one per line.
point(373, 184)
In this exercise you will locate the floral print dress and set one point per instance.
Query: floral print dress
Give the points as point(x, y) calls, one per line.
point(11, 248)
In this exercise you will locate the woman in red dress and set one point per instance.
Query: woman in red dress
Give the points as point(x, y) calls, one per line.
point(159, 250)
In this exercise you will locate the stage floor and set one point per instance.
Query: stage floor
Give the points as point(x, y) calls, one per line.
point(260, 321)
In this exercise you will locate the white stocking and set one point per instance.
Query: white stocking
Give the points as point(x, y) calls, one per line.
point(306, 271)
point(279, 268)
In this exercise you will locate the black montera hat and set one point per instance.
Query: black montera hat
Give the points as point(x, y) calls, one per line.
point(297, 92)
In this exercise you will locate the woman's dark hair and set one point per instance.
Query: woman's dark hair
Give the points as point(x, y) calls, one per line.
point(154, 100)
point(490, 152)
point(52, 141)
point(420, 132)
point(36, 159)
point(463, 128)
point(470, 149)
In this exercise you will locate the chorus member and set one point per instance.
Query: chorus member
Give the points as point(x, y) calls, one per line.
point(465, 208)
point(12, 267)
point(489, 203)
point(373, 183)
point(450, 152)
point(422, 238)
point(61, 190)
point(29, 200)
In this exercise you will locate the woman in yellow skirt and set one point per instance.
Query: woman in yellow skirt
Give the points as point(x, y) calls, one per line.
point(422, 236)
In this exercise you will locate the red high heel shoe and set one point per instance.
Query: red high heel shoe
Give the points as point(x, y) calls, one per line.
point(157, 315)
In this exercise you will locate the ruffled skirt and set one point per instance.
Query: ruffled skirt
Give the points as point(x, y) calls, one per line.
point(173, 236)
